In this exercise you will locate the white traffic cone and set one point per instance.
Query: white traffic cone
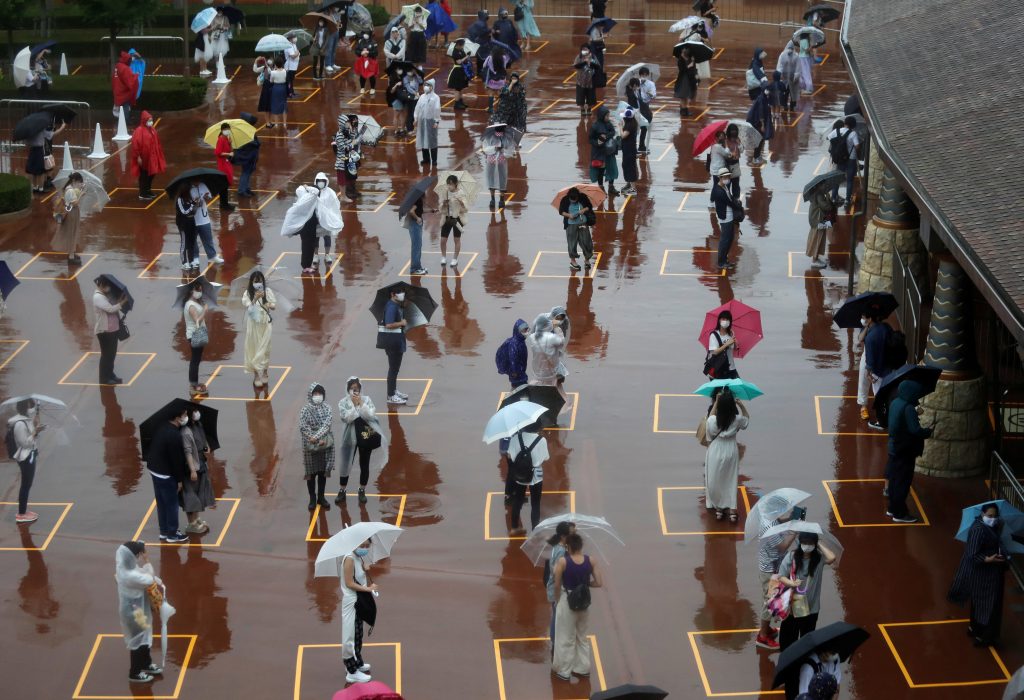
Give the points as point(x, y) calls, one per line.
point(222, 76)
point(97, 146)
point(63, 65)
point(122, 128)
point(67, 166)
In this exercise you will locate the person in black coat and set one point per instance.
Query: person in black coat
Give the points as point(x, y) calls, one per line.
point(505, 30)
point(247, 156)
point(630, 130)
point(165, 460)
point(981, 576)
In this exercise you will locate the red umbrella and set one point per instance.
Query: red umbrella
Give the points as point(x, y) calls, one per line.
point(746, 326)
point(374, 690)
point(707, 136)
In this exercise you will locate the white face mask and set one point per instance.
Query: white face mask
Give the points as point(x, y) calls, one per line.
point(320, 184)
point(807, 548)
point(353, 392)
point(31, 413)
point(724, 324)
point(195, 415)
point(400, 296)
point(258, 286)
point(318, 399)
point(197, 294)
point(226, 133)
point(863, 320)
point(149, 122)
point(427, 88)
point(183, 420)
point(585, 54)
point(989, 521)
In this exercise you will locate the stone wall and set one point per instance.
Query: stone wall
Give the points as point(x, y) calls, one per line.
point(893, 227)
point(959, 444)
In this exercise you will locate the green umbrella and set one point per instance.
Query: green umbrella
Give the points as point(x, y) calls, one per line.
point(741, 389)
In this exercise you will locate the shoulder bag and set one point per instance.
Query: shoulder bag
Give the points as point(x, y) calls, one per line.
point(579, 597)
point(366, 436)
point(716, 365)
point(200, 337)
point(122, 330)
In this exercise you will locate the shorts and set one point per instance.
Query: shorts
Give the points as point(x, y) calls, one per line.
point(766, 579)
point(451, 225)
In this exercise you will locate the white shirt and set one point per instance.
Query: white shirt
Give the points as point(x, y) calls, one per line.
point(647, 91)
point(291, 58)
point(713, 343)
point(538, 455)
point(202, 193)
point(190, 323)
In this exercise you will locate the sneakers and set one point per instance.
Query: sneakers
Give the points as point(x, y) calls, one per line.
point(373, 91)
point(444, 261)
point(217, 259)
point(757, 161)
point(328, 258)
point(864, 415)
point(363, 91)
point(357, 677)
point(904, 519)
point(875, 425)
point(140, 677)
point(177, 538)
point(154, 670)
point(455, 262)
point(186, 266)
point(340, 498)
point(574, 266)
point(817, 264)
point(766, 643)
point(517, 532)
point(26, 517)
point(196, 528)
point(362, 499)
point(401, 393)
point(365, 668)
point(396, 399)
point(195, 264)
point(629, 190)
point(419, 271)
point(308, 271)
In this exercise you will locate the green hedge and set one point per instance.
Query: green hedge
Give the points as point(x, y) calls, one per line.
point(15, 193)
point(159, 93)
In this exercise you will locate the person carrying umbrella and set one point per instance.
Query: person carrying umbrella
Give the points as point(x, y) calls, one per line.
point(527, 452)
point(981, 576)
point(247, 155)
point(803, 570)
point(37, 131)
point(41, 69)
point(334, 36)
point(453, 208)
point(759, 116)
point(906, 444)
point(820, 675)
point(165, 460)
point(426, 119)
point(843, 143)
point(291, 65)
point(645, 95)
point(347, 155)
point(361, 436)
point(318, 47)
point(727, 417)
point(317, 444)
point(820, 216)
point(686, 81)
point(875, 338)
point(67, 214)
point(24, 428)
point(224, 153)
point(354, 581)
point(461, 72)
point(630, 128)
point(201, 197)
point(391, 339)
point(136, 585)
point(577, 211)
point(108, 304)
point(220, 33)
point(196, 492)
point(147, 156)
point(125, 85)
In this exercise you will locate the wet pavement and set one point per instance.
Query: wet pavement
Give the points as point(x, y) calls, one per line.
point(461, 607)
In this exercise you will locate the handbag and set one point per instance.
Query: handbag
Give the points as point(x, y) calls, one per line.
point(122, 330)
point(702, 432)
point(326, 447)
point(597, 163)
point(366, 436)
point(779, 598)
point(752, 82)
point(518, 15)
point(200, 337)
point(49, 162)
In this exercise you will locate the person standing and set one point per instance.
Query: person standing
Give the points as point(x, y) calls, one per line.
point(394, 48)
point(981, 576)
point(361, 436)
point(201, 197)
point(347, 156)
point(278, 95)
point(686, 81)
point(757, 81)
point(725, 210)
point(572, 647)
point(646, 94)
point(876, 336)
point(547, 345)
point(318, 47)
point(353, 582)
point(586, 66)
point(194, 313)
point(511, 108)
point(576, 211)
point(246, 156)
point(788, 66)
point(723, 339)
point(759, 116)
point(107, 326)
point(537, 453)
point(558, 550)
point(439, 23)
point(604, 144)
point(224, 152)
point(25, 426)
point(722, 464)
point(407, 94)
point(391, 338)
point(333, 36)
point(196, 493)
point(769, 553)
point(821, 215)
point(317, 444)
point(525, 23)
point(494, 147)
point(512, 356)
point(258, 301)
point(68, 215)
point(453, 208)
point(165, 460)
point(184, 218)
point(426, 119)
point(135, 579)
point(494, 73)
point(906, 444)
point(125, 85)
point(147, 156)
point(460, 73)
point(41, 162)
point(291, 65)
point(630, 172)
point(504, 29)
point(416, 43)
point(413, 223)
point(366, 68)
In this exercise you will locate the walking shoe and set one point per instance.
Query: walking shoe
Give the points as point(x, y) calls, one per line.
point(559, 676)
point(140, 677)
point(396, 399)
point(328, 258)
point(628, 189)
point(402, 394)
point(177, 538)
point(362, 495)
point(363, 91)
point(186, 265)
point(612, 191)
point(766, 643)
point(340, 498)
point(365, 668)
point(26, 517)
point(357, 677)
point(875, 425)
point(904, 519)
point(517, 532)
point(864, 415)
point(195, 528)
point(757, 161)
point(217, 260)
point(574, 266)
point(444, 261)
point(195, 264)
point(154, 670)
point(322, 502)
point(312, 506)
point(308, 271)
point(419, 271)
point(818, 264)
point(373, 91)
point(455, 262)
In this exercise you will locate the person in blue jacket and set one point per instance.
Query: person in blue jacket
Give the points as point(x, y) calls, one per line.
point(906, 444)
point(757, 68)
point(876, 340)
point(247, 156)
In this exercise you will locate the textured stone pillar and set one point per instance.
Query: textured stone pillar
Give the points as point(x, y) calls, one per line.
point(875, 170)
point(958, 406)
point(894, 226)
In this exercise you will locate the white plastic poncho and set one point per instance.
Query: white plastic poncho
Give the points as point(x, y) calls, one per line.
point(134, 607)
point(546, 348)
point(309, 200)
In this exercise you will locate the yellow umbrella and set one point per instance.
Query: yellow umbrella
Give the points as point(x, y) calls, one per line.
point(241, 132)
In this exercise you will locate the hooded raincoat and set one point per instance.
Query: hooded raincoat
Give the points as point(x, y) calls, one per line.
point(516, 355)
point(349, 412)
point(494, 149)
point(134, 607)
point(439, 21)
point(479, 31)
point(309, 201)
point(427, 116)
point(124, 83)
point(547, 345)
point(315, 425)
point(146, 145)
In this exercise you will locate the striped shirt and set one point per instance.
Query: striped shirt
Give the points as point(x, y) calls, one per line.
point(768, 555)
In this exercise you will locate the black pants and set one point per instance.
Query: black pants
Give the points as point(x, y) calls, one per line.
point(759, 149)
point(318, 67)
point(145, 183)
point(372, 80)
point(141, 659)
point(428, 155)
point(728, 229)
point(451, 226)
point(364, 468)
point(309, 246)
point(28, 475)
point(989, 632)
point(394, 365)
point(791, 629)
point(316, 487)
point(189, 245)
point(352, 665)
point(193, 365)
point(519, 496)
point(900, 472)
point(410, 107)
point(289, 83)
point(108, 351)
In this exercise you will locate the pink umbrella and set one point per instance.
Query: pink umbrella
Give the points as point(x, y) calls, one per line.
point(374, 690)
point(746, 325)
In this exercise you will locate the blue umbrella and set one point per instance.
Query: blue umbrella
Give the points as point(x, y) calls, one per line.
point(7, 280)
point(512, 51)
point(741, 389)
point(39, 48)
point(138, 66)
point(605, 23)
point(1013, 522)
point(203, 19)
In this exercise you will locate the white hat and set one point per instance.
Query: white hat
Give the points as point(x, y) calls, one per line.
point(724, 172)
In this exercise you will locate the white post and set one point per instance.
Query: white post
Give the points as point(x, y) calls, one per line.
point(67, 166)
point(222, 76)
point(97, 146)
point(63, 65)
point(122, 128)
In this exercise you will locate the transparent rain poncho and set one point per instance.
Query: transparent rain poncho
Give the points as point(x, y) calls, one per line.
point(134, 607)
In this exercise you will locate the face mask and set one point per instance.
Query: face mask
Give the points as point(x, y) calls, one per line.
point(318, 399)
point(195, 415)
point(724, 324)
point(353, 392)
point(226, 132)
point(763, 55)
point(989, 521)
point(585, 54)
point(807, 548)
point(31, 413)
point(362, 551)
point(197, 294)
point(258, 286)
point(399, 71)
point(149, 122)
point(183, 421)
point(320, 184)
point(400, 296)
point(427, 88)
point(863, 321)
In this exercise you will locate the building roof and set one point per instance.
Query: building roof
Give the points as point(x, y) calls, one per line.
point(940, 83)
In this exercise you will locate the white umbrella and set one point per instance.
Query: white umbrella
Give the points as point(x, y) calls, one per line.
point(511, 419)
point(596, 532)
point(369, 130)
point(272, 43)
point(22, 66)
point(800, 526)
point(641, 120)
point(94, 197)
point(769, 508)
point(467, 183)
point(686, 23)
point(633, 72)
point(470, 47)
point(286, 290)
point(1015, 688)
point(382, 538)
point(53, 413)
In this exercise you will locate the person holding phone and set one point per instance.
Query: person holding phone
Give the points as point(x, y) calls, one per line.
point(906, 444)
point(26, 427)
point(361, 435)
point(981, 576)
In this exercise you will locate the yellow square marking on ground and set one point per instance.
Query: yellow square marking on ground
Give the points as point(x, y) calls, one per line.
point(330, 269)
point(820, 87)
point(696, 118)
point(21, 346)
point(398, 411)
point(376, 209)
point(657, 414)
point(315, 515)
point(882, 503)
point(534, 147)
point(906, 674)
point(281, 134)
point(487, 513)
point(572, 414)
point(119, 639)
point(819, 166)
point(270, 195)
point(65, 508)
point(821, 430)
point(565, 257)
point(795, 121)
point(91, 257)
point(509, 196)
point(693, 209)
point(299, 657)
point(188, 275)
point(691, 251)
point(621, 208)
point(314, 92)
point(718, 54)
point(824, 58)
point(818, 276)
point(536, 49)
point(270, 394)
point(597, 667)
point(671, 533)
point(704, 676)
point(459, 271)
point(142, 206)
point(150, 356)
point(566, 99)
point(629, 47)
point(203, 544)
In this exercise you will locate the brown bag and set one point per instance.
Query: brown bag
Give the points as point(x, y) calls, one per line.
point(702, 432)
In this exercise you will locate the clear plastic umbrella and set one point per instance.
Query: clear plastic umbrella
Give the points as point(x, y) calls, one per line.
point(749, 136)
point(22, 66)
point(768, 509)
point(382, 538)
point(369, 130)
point(359, 18)
point(94, 197)
point(302, 37)
point(1015, 688)
point(511, 419)
point(621, 108)
point(410, 10)
point(597, 533)
point(286, 290)
point(801, 526)
point(467, 183)
point(272, 43)
point(468, 46)
point(686, 23)
point(634, 72)
point(53, 413)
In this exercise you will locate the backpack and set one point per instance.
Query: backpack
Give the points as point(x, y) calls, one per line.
point(521, 468)
point(11, 441)
point(839, 150)
point(503, 357)
point(518, 15)
point(895, 350)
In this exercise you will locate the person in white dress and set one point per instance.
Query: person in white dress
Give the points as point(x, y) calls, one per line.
point(353, 582)
point(258, 301)
point(722, 464)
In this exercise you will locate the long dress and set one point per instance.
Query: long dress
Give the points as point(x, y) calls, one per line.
point(495, 161)
point(511, 108)
point(265, 87)
point(65, 238)
point(686, 80)
point(527, 25)
point(981, 583)
point(722, 464)
point(258, 330)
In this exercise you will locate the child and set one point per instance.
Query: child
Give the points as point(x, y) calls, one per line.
point(778, 93)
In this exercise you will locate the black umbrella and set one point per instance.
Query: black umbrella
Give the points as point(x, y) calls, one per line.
point(7, 280)
point(60, 112)
point(213, 179)
point(872, 304)
point(605, 23)
point(543, 395)
point(419, 305)
point(234, 15)
point(925, 375)
point(31, 125)
point(176, 407)
point(405, 66)
point(415, 193)
point(825, 180)
point(38, 48)
point(183, 291)
point(120, 288)
point(839, 637)
point(700, 51)
point(852, 105)
point(336, 3)
point(826, 13)
point(631, 691)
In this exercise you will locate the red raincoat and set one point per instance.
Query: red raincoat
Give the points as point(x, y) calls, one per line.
point(124, 83)
point(365, 67)
point(146, 146)
point(223, 151)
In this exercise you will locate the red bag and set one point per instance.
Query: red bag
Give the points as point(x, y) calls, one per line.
point(597, 163)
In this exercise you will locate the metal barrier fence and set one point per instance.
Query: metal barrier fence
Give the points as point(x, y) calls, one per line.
point(1004, 484)
point(165, 52)
point(908, 294)
point(78, 134)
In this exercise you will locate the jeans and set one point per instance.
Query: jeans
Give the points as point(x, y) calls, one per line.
point(166, 493)
point(318, 67)
point(394, 365)
point(193, 365)
point(108, 351)
point(331, 49)
point(205, 232)
point(416, 245)
point(519, 496)
point(725, 242)
point(28, 475)
point(145, 183)
point(243, 180)
point(141, 659)
point(900, 473)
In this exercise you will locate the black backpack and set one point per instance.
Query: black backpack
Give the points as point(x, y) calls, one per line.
point(11, 441)
point(579, 597)
point(895, 350)
point(521, 468)
point(839, 149)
